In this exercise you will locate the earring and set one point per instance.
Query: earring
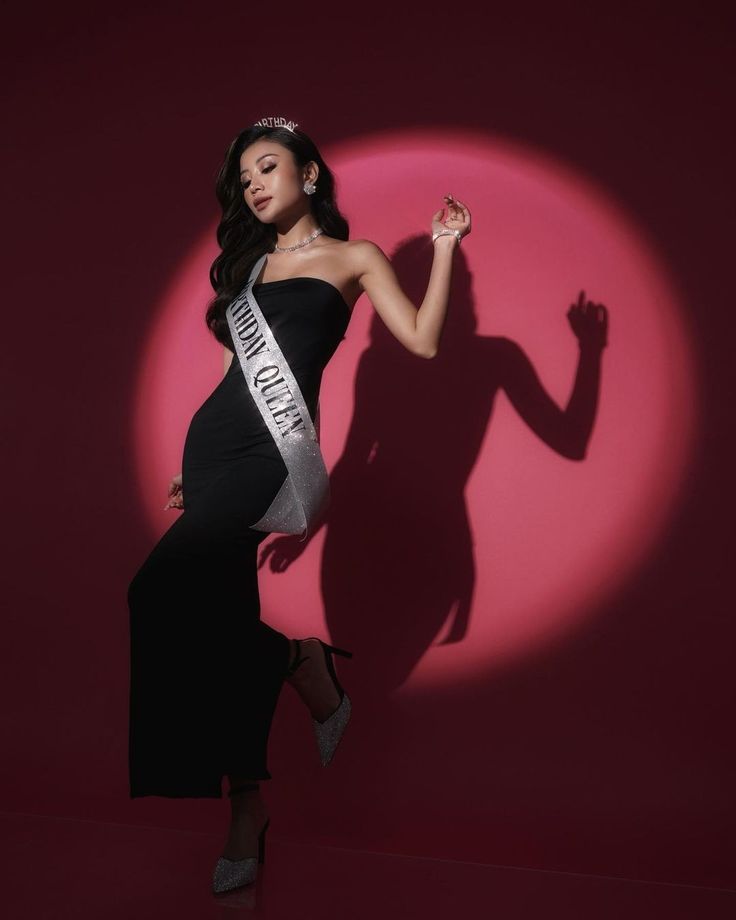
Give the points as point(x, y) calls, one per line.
point(309, 188)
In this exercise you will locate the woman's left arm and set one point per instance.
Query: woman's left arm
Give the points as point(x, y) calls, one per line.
point(418, 330)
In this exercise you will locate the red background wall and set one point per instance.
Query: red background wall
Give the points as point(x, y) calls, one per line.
point(612, 754)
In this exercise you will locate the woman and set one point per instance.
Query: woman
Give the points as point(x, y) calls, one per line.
point(206, 672)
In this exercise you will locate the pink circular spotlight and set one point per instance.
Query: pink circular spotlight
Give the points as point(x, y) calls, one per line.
point(552, 537)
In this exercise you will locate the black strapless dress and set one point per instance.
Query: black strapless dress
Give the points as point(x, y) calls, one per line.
point(205, 671)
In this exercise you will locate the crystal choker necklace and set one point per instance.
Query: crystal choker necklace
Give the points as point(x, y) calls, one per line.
point(312, 236)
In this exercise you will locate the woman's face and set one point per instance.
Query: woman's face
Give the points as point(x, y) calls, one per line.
point(272, 182)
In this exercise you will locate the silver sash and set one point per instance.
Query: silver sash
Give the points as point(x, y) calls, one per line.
point(305, 494)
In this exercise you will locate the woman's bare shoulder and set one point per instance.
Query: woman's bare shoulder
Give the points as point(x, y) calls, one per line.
point(360, 254)
point(354, 247)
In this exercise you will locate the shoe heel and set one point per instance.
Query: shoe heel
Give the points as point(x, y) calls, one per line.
point(330, 731)
point(338, 651)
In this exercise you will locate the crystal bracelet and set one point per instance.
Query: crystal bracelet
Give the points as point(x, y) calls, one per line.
point(456, 233)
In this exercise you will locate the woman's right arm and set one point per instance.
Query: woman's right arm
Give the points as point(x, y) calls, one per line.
point(418, 329)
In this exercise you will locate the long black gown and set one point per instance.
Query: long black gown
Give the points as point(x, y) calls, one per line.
point(205, 671)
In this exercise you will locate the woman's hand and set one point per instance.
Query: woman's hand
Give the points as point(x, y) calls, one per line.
point(589, 321)
point(458, 217)
point(176, 495)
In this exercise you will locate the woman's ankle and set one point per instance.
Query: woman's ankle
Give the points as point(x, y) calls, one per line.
point(246, 804)
point(296, 658)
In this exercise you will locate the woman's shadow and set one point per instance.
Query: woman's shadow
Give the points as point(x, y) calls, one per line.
point(398, 566)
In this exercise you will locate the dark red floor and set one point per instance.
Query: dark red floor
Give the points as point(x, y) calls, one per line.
point(66, 868)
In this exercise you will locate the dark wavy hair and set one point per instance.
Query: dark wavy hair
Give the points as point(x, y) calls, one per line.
point(243, 239)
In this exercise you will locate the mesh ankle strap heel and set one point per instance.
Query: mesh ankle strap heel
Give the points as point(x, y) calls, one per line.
point(329, 732)
point(234, 873)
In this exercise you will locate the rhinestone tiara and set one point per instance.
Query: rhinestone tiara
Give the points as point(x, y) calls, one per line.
point(277, 121)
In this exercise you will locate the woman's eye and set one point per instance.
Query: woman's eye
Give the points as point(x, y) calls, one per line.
point(244, 185)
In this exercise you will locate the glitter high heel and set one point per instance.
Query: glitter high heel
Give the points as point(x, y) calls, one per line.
point(234, 873)
point(328, 732)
